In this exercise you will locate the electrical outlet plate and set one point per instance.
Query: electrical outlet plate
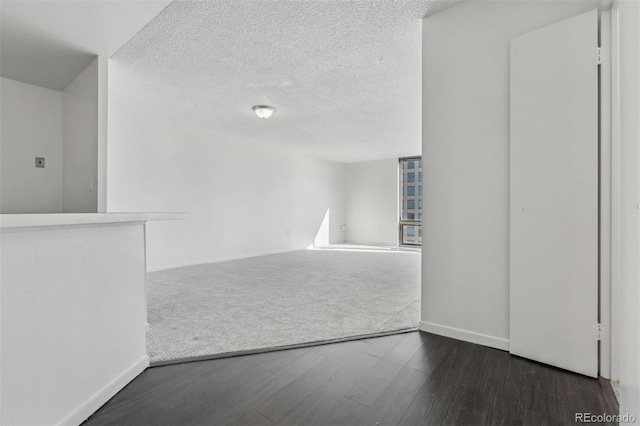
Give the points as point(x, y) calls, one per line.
point(40, 162)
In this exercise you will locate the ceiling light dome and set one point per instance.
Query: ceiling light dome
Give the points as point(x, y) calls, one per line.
point(264, 111)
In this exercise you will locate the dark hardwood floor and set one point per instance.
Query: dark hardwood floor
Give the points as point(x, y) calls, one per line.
point(405, 379)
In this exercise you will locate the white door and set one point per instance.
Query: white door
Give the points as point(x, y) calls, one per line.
point(554, 195)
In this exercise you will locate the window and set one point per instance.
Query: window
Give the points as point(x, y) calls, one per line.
point(410, 236)
point(410, 231)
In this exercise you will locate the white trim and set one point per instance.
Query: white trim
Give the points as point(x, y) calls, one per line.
point(30, 220)
point(219, 259)
point(370, 243)
point(106, 393)
point(614, 327)
point(605, 195)
point(103, 113)
point(146, 287)
point(465, 335)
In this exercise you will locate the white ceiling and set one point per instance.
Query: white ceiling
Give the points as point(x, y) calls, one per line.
point(344, 76)
point(49, 42)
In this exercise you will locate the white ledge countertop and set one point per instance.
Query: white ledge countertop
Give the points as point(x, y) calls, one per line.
point(8, 221)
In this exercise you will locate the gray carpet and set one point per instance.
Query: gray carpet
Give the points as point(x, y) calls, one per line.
point(280, 300)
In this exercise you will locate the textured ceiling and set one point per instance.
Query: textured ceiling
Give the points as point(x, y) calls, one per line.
point(48, 43)
point(344, 76)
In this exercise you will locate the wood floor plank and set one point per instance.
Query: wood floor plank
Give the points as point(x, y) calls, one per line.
point(469, 400)
point(406, 347)
point(279, 380)
point(285, 399)
point(329, 348)
point(434, 399)
point(608, 396)
point(347, 413)
point(576, 394)
point(324, 407)
point(503, 404)
point(433, 351)
point(253, 418)
point(382, 345)
point(146, 400)
point(346, 377)
point(371, 386)
point(216, 401)
point(312, 409)
point(281, 359)
point(422, 379)
point(534, 388)
point(392, 403)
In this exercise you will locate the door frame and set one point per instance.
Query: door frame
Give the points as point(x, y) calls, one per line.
point(609, 343)
point(606, 192)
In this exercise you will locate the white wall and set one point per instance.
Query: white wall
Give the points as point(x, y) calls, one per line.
point(372, 202)
point(73, 319)
point(465, 289)
point(65, 128)
point(80, 142)
point(244, 197)
point(628, 214)
point(31, 120)
point(103, 121)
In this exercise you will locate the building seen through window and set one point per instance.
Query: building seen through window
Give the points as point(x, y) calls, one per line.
point(410, 201)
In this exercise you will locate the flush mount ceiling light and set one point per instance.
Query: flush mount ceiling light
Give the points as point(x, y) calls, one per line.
point(264, 111)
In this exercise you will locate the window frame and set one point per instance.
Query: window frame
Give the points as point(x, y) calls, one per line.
point(402, 193)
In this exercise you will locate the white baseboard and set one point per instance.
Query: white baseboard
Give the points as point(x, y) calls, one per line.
point(465, 335)
point(220, 259)
point(371, 243)
point(83, 412)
